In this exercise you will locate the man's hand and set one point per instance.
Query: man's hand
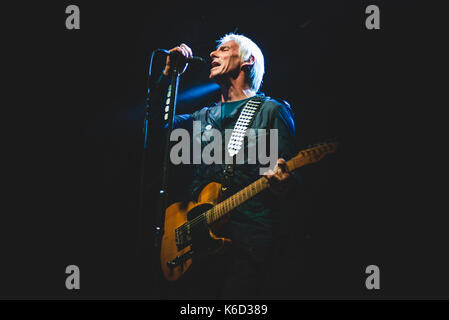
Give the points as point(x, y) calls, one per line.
point(278, 178)
point(184, 50)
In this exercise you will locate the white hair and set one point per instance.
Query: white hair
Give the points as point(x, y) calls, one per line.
point(248, 48)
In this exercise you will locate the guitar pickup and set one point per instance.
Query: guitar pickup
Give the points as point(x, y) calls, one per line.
point(183, 236)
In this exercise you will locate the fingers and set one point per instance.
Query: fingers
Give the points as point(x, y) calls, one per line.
point(277, 178)
point(280, 176)
point(269, 174)
point(281, 171)
point(282, 165)
point(278, 185)
point(184, 50)
point(187, 52)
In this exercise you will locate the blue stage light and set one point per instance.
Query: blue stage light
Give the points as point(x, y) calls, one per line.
point(198, 92)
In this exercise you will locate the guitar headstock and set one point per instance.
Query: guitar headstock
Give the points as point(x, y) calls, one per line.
point(314, 153)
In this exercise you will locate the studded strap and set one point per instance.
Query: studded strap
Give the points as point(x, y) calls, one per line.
point(244, 121)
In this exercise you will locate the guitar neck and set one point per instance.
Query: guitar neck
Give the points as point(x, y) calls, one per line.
point(223, 208)
point(304, 157)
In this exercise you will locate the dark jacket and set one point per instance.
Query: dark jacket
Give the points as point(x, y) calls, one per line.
point(255, 221)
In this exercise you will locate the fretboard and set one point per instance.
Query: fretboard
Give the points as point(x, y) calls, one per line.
point(223, 208)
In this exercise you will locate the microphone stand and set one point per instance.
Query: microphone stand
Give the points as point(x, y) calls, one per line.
point(170, 112)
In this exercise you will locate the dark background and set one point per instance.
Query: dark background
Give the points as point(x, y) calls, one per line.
point(73, 142)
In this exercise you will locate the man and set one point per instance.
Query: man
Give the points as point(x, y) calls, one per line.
point(238, 67)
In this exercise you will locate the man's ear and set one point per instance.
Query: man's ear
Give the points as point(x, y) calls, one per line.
point(248, 63)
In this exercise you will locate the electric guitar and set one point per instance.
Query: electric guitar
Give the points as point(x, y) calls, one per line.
point(189, 227)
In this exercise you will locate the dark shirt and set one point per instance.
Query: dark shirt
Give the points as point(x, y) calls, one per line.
point(253, 223)
point(242, 270)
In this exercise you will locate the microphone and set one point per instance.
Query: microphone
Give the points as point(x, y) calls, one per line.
point(176, 54)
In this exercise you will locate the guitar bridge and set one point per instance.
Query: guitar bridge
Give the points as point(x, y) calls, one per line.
point(179, 260)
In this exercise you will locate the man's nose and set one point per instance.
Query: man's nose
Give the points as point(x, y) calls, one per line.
point(213, 55)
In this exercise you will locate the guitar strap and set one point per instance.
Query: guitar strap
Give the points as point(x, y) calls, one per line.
point(245, 120)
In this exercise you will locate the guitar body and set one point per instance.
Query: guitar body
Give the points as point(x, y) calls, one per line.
point(189, 227)
point(180, 245)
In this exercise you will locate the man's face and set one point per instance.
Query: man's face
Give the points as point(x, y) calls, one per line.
point(226, 61)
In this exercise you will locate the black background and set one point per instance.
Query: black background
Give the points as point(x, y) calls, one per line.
point(73, 111)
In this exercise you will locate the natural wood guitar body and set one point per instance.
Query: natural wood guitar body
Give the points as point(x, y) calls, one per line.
point(177, 215)
point(189, 228)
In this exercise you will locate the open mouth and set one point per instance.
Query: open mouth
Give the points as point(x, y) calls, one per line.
point(215, 64)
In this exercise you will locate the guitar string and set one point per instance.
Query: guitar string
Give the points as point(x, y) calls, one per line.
point(241, 125)
point(203, 216)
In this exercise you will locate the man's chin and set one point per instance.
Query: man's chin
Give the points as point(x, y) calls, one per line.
point(215, 77)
